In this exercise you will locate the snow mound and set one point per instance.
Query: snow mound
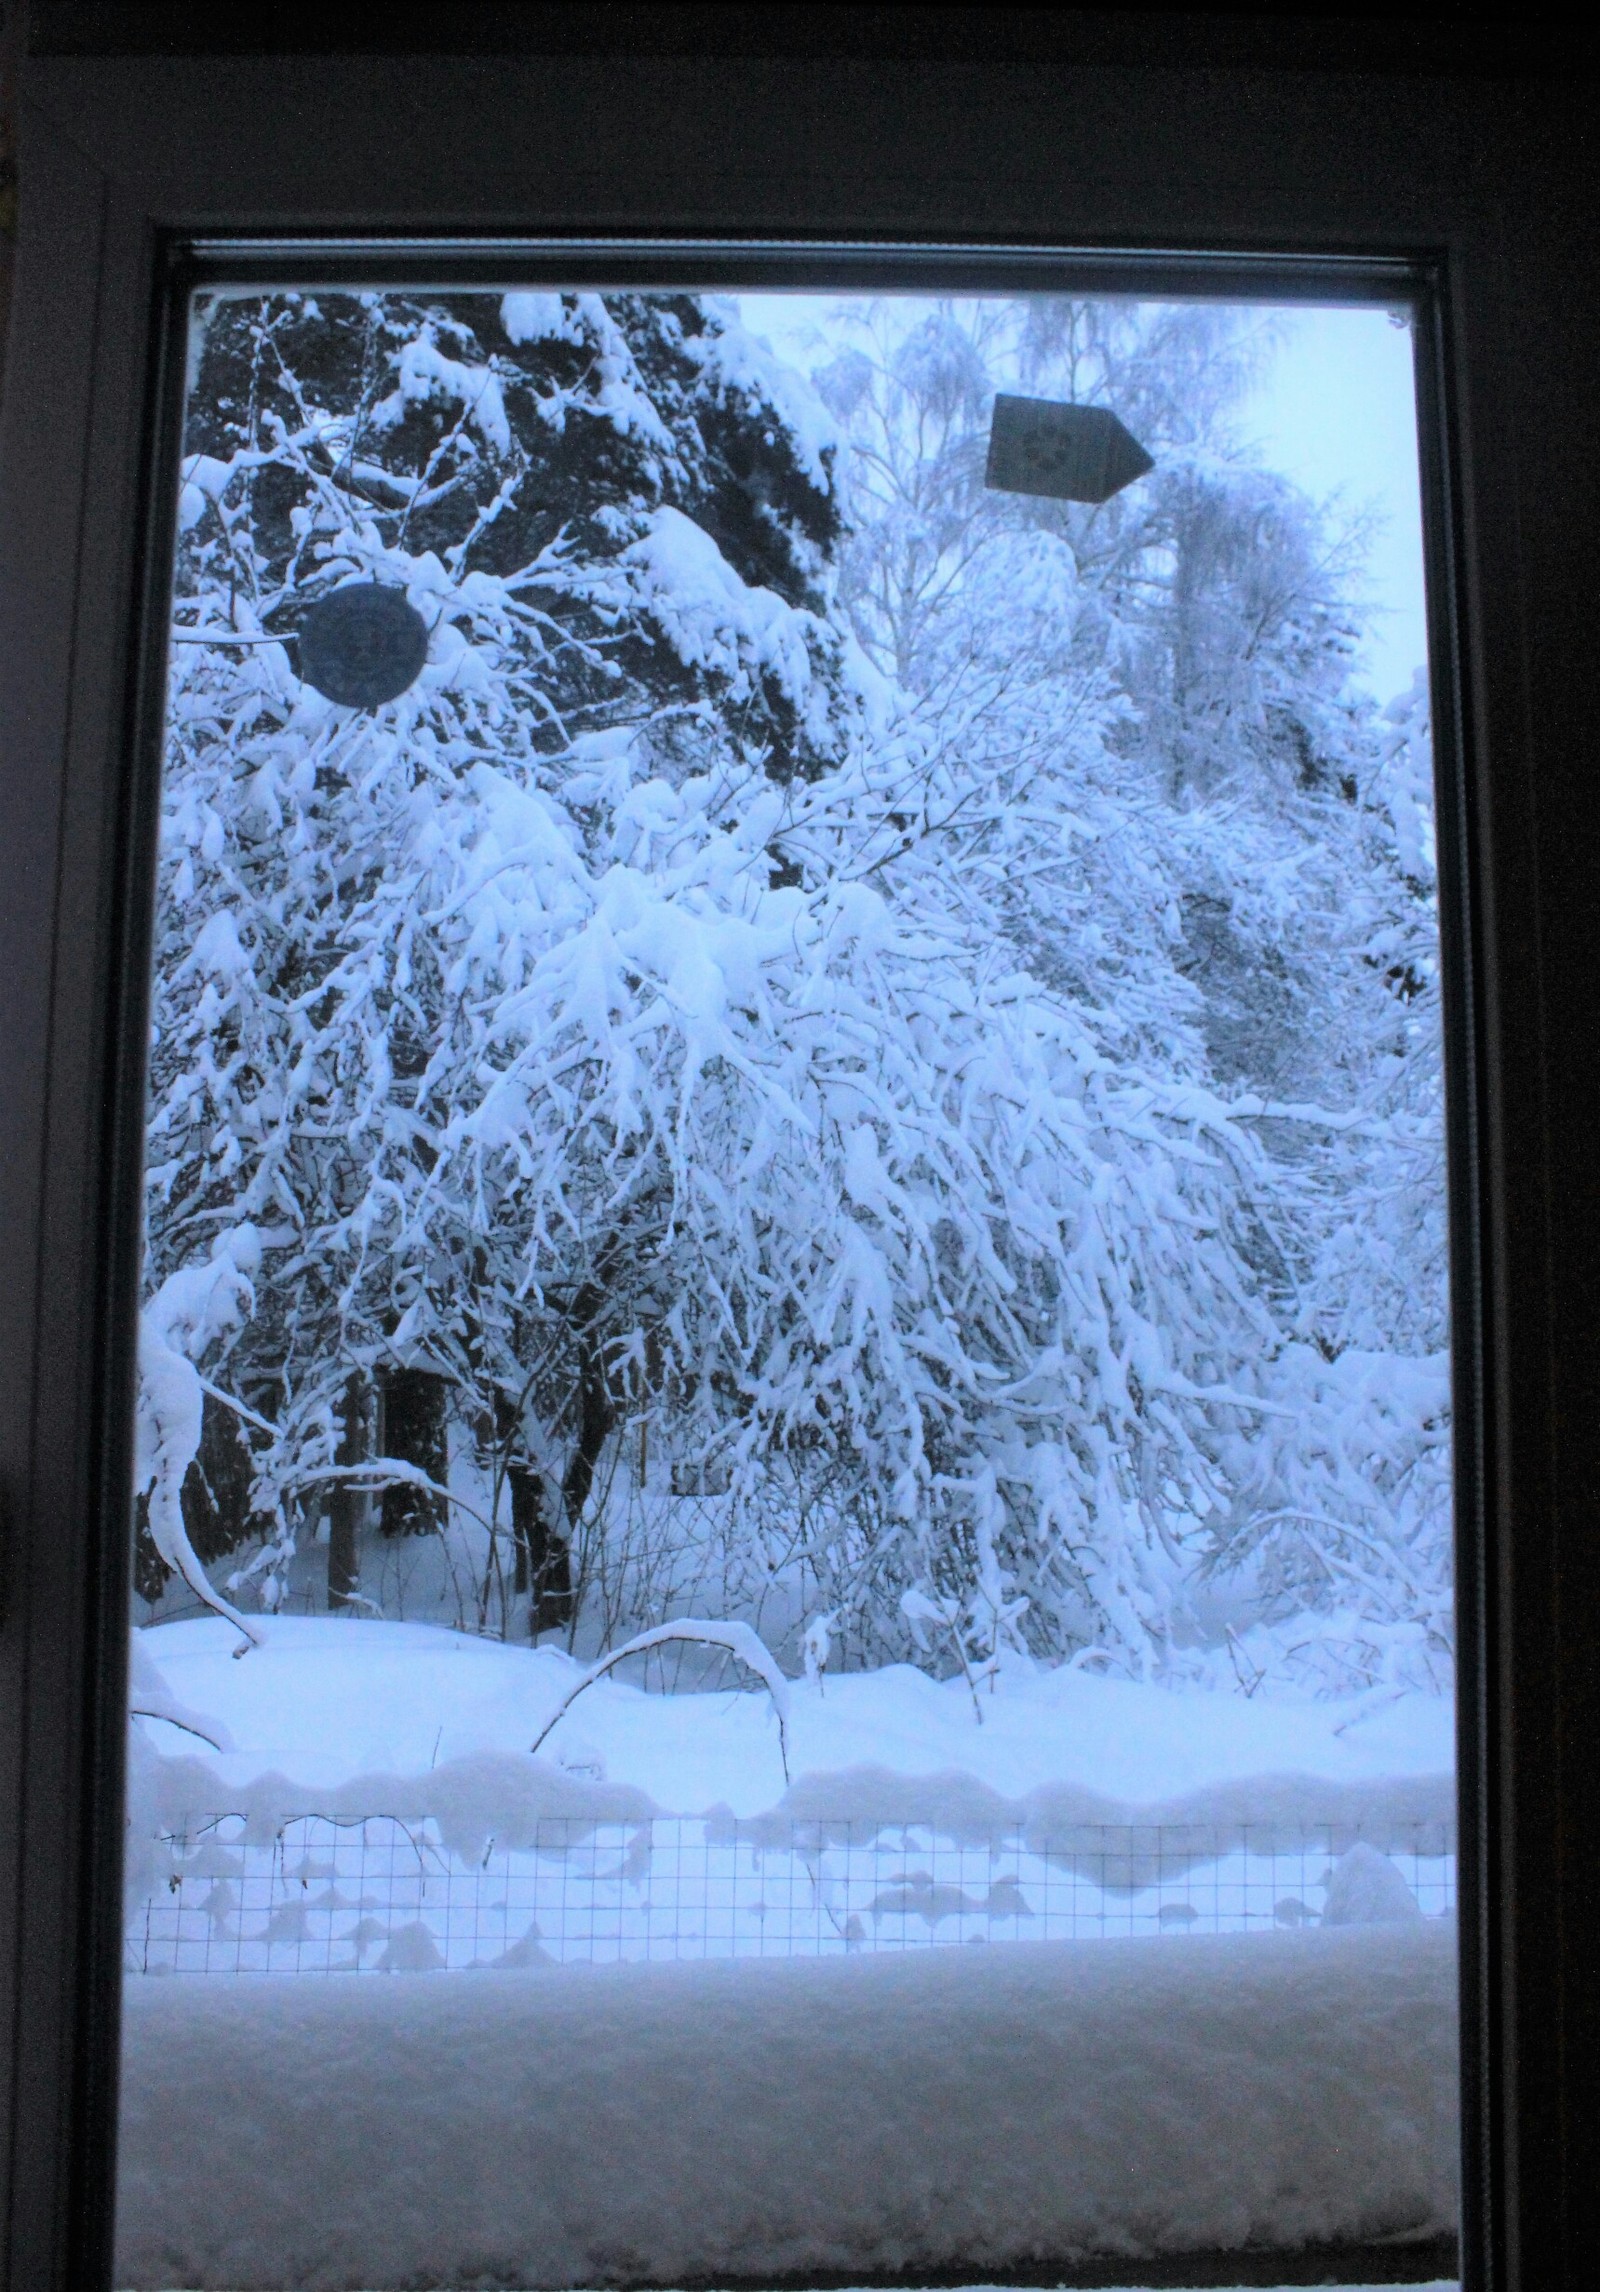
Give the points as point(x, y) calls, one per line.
point(1417, 1812)
point(962, 2109)
point(328, 1699)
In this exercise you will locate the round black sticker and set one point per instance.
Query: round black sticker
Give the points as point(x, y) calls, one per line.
point(362, 645)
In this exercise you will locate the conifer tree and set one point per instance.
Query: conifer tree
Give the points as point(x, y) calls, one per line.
point(617, 517)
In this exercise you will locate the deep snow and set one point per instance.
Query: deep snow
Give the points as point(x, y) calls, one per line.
point(655, 1825)
point(323, 1700)
point(568, 2124)
point(962, 2108)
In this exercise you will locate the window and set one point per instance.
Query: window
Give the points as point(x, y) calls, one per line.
point(341, 1400)
point(795, 1026)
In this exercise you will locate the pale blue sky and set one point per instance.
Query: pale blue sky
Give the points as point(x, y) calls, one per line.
point(1334, 411)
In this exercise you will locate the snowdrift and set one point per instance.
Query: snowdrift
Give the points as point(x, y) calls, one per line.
point(971, 2109)
point(326, 1700)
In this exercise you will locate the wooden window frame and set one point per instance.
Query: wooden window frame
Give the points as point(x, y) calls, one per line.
point(915, 140)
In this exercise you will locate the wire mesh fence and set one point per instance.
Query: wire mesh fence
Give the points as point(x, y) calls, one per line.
point(383, 1896)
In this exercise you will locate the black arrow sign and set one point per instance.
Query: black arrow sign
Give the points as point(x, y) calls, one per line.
point(1072, 453)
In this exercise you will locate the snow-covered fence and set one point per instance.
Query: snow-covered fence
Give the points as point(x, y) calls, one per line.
point(382, 1895)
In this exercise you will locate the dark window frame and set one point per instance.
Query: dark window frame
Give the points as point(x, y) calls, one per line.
point(138, 171)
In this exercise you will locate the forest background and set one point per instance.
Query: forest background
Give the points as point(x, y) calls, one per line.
point(859, 1054)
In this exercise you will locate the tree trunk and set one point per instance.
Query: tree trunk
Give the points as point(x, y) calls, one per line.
point(349, 1509)
point(415, 1431)
point(527, 1522)
point(596, 1416)
point(543, 1559)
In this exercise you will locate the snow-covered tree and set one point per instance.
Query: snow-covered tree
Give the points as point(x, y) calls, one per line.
point(616, 516)
point(794, 1031)
point(1189, 822)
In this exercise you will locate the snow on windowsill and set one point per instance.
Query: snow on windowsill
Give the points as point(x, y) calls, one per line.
point(1044, 2103)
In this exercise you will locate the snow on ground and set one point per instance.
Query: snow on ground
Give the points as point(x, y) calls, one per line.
point(963, 2108)
point(323, 1700)
point(566, 2124)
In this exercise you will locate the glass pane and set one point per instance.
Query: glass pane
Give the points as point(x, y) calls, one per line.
point(794, 1421)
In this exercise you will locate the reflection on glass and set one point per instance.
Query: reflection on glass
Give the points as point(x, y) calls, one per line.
point(795, 1299)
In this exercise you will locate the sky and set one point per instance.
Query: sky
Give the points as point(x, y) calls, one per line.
point(1334, 410)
